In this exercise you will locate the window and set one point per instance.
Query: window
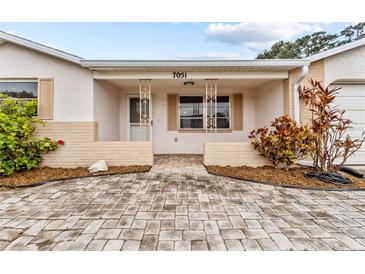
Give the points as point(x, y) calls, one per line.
point(223, 112)
point(24, 90)
point(134, 109)
point(191, 112)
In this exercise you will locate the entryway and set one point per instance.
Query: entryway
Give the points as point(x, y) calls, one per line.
point(139, 119)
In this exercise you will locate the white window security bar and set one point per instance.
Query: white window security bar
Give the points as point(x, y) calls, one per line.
point(211, 105)
point(144, 104)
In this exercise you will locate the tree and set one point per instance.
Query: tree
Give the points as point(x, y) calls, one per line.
point(352, 33)
point(281, 50)
point(319, 41)
point(313, 43)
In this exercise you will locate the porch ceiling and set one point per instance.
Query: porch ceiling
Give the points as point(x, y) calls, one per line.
point(178, 84)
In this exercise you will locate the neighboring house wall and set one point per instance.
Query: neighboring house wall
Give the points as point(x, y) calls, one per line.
point(268, 103)
point(73, 85)
point(316, 72)
point(107, 110)
point(348, 65)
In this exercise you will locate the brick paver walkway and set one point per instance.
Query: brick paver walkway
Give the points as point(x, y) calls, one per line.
point(178, 206)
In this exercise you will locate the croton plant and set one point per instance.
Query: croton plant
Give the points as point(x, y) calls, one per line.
point(332, 145)
point(285, 144)
point(324, 138)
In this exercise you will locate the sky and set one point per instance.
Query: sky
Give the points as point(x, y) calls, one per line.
point(165, 40)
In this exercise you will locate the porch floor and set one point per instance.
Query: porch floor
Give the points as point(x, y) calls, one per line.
point(179, 163)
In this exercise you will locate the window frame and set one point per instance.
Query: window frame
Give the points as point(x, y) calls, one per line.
point(205, 112)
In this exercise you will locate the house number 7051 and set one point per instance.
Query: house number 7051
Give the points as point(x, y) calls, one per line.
point(179, 74)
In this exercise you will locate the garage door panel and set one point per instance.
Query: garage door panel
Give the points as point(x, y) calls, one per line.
point(357, 159)
point(356, 131)
point(357, 117)
point(351, 98)
point(351, 90)
point(350, 103)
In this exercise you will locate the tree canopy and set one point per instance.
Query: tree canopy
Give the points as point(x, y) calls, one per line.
point(313, 43)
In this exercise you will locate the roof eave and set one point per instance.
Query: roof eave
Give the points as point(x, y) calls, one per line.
point(40, 48)
point(113, 64)
point(337, 50)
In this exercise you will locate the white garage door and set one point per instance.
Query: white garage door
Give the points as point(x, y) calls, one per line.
point(352, 99)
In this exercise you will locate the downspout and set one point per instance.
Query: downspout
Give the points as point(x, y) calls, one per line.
point(296, 100)
point(296, 105)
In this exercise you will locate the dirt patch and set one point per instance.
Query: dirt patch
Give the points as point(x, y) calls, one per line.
point(41, 175)
point(274, 176)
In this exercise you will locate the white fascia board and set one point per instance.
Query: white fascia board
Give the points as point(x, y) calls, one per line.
point(39, 47)
point(337, 50)
point(106, 75)
point(193, 63)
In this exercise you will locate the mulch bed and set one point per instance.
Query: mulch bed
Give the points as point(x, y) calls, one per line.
point(279, 177)
point(42, 175)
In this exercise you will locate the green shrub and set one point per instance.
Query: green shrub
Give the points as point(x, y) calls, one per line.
point(285, 144)
point(19, 149)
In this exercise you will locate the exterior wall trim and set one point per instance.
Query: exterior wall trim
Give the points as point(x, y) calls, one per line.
point(105, 75)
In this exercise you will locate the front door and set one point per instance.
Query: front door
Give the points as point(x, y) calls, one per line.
point(138, 131)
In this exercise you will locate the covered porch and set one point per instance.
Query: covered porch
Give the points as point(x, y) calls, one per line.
point(181, 115)
point(203, 109)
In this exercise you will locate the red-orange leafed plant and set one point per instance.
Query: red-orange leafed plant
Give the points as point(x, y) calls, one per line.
point(285, 144)
point(332, 145)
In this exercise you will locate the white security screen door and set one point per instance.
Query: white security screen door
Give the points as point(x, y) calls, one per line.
point(138, 131)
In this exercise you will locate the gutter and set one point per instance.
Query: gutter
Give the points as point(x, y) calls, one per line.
point(291, 63)
point(296, 100)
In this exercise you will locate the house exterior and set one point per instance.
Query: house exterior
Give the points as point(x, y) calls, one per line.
point(126, 111)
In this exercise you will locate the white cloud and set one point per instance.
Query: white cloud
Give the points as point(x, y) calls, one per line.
point(257, 35)
point(207, 55)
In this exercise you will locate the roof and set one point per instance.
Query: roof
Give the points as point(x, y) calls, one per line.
point(337, 50)
point(234, 65)
point(6, 37)
point(237, 65)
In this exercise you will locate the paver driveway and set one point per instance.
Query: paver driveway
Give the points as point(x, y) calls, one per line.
point(178, 206)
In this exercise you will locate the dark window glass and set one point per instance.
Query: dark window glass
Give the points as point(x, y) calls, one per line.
point(191, 123)
point(191, 112)
point(134, 110)
point(20, 90)
point(223, 111)
point(222, 122)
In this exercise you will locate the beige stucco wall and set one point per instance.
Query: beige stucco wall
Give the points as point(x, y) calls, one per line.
point(73, 85)
point(232, 154)
point(107, 110)
point(348, 65)
point(187, 142)
point(268, 103)
point(82, 148)
point(316, 72)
